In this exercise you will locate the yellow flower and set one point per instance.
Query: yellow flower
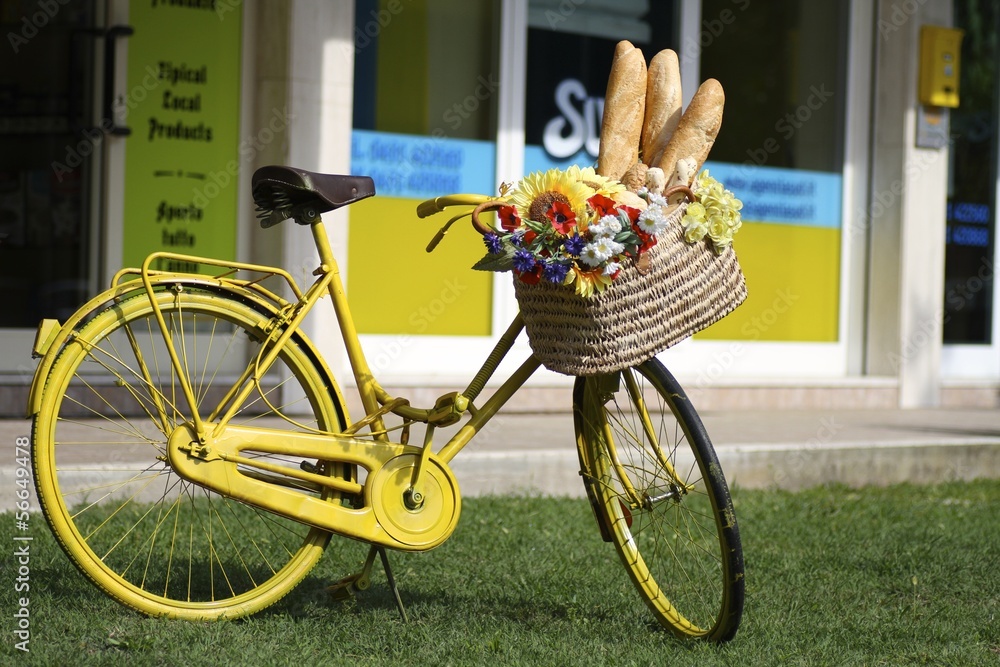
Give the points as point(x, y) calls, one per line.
point(718, 228)
point(716, 214)
point(601, 185)
point(695, 231)
point(588, 283)
point(536, 192)
point(695, 212)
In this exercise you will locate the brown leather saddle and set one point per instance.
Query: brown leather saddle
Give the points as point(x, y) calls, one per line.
point(286, 192)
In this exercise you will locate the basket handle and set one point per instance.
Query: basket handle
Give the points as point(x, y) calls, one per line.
point(481, 227)
point(688, 192)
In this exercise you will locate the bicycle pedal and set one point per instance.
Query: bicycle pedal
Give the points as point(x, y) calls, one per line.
point(341, 591)
point(348, 587)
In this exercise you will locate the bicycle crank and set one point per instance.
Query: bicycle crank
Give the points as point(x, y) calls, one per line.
point(421, 524)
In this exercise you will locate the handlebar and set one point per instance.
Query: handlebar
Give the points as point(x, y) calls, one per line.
point(438, 204)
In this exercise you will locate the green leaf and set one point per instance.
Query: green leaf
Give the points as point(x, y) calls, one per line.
point(502, 261)
point(625, 236)
point(537, 227)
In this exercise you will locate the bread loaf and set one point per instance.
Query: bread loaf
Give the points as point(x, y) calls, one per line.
point(663, 105)
point(624, 105)
point(697, 129)
point(635, 176)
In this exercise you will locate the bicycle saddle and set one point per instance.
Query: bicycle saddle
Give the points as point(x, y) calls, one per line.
point(286, 192)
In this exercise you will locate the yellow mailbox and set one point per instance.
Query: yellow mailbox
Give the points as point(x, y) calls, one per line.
point(940, 58)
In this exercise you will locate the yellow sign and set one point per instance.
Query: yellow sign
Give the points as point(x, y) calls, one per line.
point(182, 106)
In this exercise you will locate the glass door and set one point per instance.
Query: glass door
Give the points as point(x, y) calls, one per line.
point(426, 90)
point(791, 78)
point(49, 148)
point(970, 312)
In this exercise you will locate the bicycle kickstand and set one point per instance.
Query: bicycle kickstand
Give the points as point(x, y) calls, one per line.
point(360, 581)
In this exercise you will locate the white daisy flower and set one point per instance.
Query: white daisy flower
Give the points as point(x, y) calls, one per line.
point(655, 199)
point(652, 220)
point(607, 226)
point(600, 251)
point(591, 256)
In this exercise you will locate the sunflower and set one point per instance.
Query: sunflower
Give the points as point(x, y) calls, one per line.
point(602, 185)
point(537, 192)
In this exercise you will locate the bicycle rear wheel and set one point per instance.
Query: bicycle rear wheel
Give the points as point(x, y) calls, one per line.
point(659, 494)
point(149, 539)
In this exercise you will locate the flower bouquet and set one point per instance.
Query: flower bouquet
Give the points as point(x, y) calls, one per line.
point(578, 228)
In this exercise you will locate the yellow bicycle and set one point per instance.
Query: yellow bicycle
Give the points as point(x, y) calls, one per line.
point(193, 453)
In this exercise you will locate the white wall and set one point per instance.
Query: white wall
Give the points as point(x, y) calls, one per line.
point(907, 215)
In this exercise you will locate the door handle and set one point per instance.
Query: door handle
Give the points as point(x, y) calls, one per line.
point(111, 36)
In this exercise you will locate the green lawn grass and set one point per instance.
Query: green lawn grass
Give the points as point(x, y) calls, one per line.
point(905, 575)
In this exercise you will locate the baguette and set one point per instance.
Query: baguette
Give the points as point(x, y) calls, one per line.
point(624, 106)
point(663, 105)
point(635, 177)
point(696, 131)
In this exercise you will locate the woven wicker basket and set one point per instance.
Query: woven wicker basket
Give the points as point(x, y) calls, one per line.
point(687, 288)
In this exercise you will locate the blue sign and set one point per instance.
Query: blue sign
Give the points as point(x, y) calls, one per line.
point(788, 196)
point(969, 213)
point(969, 224)
point(423, 167)
point(769, 194)
point(537, 159)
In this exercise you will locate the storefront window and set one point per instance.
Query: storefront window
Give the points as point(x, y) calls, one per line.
point(781, 151)
point(972, 181)
point(425, 94)
point(48, 143)
point(570, 48)
point(781, 145)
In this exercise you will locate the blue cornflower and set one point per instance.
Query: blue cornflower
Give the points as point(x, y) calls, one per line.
point(524, 261)
point(555, 272)
point(574, 245)
point(517, 237)
point(493, 243)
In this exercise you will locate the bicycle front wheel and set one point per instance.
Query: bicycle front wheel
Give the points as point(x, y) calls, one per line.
point(148, 538)
point(659, 494)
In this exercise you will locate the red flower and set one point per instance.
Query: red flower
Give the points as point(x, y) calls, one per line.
point(633, 213)
point(648, 241)
point(562, 217)
point(602, 205)
point(509, 220)
point(531, 277)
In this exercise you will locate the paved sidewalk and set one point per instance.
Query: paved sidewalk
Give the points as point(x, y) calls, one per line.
point(535, 453)
point(786, 449)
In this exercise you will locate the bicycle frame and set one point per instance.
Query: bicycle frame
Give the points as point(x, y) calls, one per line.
point(375, 400)
point(210, 439)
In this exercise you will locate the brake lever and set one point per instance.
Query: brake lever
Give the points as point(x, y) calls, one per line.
point(444, 230)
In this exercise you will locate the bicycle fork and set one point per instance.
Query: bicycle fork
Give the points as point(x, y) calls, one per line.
point(602, 444)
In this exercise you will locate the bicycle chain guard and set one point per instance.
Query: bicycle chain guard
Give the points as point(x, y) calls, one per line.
point(219, 463)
